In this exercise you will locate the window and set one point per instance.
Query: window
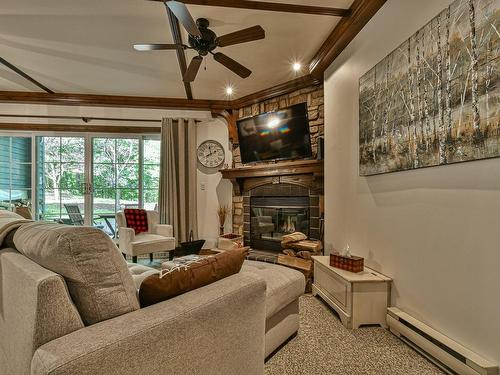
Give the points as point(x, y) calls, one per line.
point(15, 172)
point(151, 173)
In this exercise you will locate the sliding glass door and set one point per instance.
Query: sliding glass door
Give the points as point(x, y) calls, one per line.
point(125, 174)
point(81, 179)
point(115, 178)
point(61, 179)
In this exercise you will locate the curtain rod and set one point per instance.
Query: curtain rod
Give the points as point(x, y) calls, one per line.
point(85, 119)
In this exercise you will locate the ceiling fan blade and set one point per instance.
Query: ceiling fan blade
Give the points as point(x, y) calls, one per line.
point(156, 46)
point(192, 69)
point(232, 65)
point(242, 36)
point(181, 12)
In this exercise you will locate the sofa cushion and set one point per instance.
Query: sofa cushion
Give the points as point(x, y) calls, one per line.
point(140, 272)
point(96, 274)
point(189, 276)
point(147, 243)
point(284, 285)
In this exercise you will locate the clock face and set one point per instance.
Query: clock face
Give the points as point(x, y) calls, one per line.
point(211, 154)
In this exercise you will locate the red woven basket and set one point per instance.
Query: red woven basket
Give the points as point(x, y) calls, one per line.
point(352, 264)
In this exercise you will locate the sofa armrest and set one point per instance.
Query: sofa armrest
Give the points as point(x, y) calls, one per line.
point(217, 329)
point(164, 230)
point(125, 237)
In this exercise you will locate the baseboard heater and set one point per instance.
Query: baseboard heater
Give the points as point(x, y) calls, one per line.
point(449, 355)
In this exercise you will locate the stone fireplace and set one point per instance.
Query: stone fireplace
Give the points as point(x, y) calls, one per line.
point(273, 200)
point(273, 210)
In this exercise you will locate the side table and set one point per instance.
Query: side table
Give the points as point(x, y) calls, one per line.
point(359, 298)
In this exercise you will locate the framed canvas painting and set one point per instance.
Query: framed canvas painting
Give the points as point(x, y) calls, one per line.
point(434, 99)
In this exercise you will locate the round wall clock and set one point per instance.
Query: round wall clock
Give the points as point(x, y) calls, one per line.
point(211, 154)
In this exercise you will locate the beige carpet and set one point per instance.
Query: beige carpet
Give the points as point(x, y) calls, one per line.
point(324, 346)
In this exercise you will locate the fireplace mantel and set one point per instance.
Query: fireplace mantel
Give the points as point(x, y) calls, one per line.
point(314, 167)
point(303, 172)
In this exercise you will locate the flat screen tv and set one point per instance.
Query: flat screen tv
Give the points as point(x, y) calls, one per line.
point(279, 135)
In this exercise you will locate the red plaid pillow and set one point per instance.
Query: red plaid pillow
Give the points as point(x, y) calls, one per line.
point(137, 219)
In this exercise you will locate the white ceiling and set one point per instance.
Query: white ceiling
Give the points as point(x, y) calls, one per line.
point(86, 46)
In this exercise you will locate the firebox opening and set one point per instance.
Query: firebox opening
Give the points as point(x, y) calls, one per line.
point(273, 217)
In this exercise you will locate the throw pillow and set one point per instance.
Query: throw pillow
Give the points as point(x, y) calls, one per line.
point(137, 219)
point(178, 280)
point(293, 237)
point(94, 270)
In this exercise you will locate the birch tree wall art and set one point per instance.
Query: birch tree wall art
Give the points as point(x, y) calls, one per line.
point(434, 99)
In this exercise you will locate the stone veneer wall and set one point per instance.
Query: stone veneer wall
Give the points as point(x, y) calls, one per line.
point(238, 217)
point(314, 97)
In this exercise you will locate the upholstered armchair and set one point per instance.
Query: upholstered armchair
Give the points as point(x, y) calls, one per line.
point(158, 238)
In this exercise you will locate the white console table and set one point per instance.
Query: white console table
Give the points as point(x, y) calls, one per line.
point(359, 298)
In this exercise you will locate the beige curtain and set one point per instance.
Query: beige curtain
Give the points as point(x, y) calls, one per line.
point(177, 200)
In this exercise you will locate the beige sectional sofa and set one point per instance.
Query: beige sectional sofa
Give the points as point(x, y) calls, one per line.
point(228, 327)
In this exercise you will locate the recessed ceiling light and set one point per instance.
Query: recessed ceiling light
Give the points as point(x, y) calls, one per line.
point(296, 66)
point(229, 90)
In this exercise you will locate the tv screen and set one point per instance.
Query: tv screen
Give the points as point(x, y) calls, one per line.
point(276, 135)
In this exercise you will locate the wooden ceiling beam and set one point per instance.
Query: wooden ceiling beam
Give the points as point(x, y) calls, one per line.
point(343, 33)
point(272, 7)
point(181, 55)
point(230, 116)
point(215, 106)
point(25, 75)
point(278, 90)
point(111, 101)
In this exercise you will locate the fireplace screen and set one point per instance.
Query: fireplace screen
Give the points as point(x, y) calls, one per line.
point(273, 217)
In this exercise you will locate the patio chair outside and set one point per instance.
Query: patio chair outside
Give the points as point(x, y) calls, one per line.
point(75, 215)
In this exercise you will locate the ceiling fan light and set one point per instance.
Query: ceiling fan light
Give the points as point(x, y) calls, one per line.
point(140, 47)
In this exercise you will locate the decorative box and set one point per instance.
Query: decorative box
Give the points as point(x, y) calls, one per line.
point(351, 264)
point(230, 241)
point(232, 236)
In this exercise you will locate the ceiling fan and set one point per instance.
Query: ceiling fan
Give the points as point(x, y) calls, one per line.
point(205, 41)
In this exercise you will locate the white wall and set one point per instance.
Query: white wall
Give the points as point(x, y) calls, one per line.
point(212, 189)
point(435, 231)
